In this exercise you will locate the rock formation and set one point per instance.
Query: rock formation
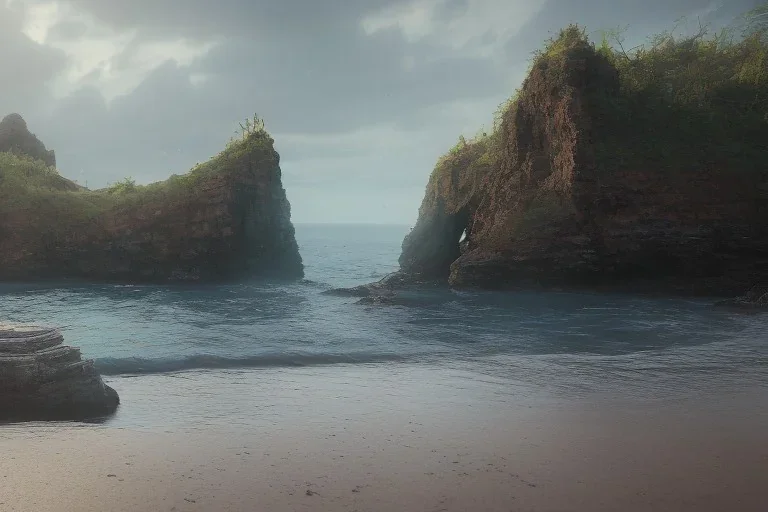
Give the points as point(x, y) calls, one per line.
point(594, 180)
point(16, 138)
point(755, 299)
point(42, 379)
point(228, 218)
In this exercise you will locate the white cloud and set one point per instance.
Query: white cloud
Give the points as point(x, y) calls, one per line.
point(480, 31)
point(93, 58)
point(38, 20)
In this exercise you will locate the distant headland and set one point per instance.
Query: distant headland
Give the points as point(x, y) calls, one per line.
point(228, 218)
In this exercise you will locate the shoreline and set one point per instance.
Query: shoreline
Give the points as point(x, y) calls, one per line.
point(390, 438)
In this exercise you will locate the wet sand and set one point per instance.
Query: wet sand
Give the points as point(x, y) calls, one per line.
point(446, 444)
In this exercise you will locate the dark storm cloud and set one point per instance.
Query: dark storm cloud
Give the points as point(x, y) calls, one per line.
point(205, 18)
point(307, 65)
point(320, 81)
point(338, 86)
point(303, 66)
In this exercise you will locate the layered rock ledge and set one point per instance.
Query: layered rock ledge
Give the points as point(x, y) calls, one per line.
point(40, 378)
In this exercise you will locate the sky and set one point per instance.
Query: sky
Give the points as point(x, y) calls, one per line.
point(361, 96)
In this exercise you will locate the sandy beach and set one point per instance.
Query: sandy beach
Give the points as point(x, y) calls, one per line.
point(374, 439)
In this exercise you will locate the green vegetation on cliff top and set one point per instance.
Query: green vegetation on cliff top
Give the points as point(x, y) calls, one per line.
point(40, 192)
point(694, 101)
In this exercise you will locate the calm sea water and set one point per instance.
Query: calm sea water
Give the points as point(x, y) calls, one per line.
point(569, 342)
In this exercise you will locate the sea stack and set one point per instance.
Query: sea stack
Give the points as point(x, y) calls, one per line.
point(227, 219)
point(42, 379)
point(602, 174)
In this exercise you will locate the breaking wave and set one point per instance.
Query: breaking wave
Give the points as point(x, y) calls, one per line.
point(138, 366)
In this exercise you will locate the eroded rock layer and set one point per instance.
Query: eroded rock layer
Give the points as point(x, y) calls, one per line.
point(42, 379)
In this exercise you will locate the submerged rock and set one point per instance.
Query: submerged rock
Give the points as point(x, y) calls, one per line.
point(383, 287)
point(387, 290)
point(228, 218)
point(396, 289)
point(755, 299)
point(42, 379)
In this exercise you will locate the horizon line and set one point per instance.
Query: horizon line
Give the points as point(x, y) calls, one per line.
point(297, 223)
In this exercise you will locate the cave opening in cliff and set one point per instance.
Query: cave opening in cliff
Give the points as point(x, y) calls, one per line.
point(457, 238)
point(463, 241)
point(436, 242)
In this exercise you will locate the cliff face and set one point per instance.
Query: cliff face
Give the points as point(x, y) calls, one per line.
point(453, 195)
point(588, 183)
point(228, 218)
point(16, 138)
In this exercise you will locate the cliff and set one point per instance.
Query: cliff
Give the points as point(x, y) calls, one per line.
point(42, 379)
point(227, 218)
point(647, 171)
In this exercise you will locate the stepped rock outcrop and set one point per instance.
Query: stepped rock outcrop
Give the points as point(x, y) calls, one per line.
point(587, 184)
point(42, 379)
point(228, 218)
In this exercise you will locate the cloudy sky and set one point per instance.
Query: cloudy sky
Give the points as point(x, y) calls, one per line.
point(361, 96)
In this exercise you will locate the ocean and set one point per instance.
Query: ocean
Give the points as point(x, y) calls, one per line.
point(193, 342)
